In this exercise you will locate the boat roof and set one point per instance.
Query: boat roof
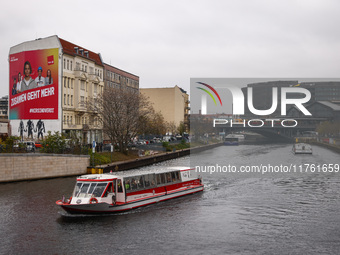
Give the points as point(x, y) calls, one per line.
point(302, 144)
point(136, 172)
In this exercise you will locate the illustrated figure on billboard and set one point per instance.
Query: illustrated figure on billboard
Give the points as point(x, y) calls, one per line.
point(40, 80)
point(28, 83)
point(14, 88)
point(48, 79)
point(21, 129)
point(40, 128)
point(19, 83)
point(30, 127)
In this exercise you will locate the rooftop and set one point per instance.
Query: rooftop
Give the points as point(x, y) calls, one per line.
point(69, 48)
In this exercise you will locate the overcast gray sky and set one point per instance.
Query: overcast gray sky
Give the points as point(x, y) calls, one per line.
point(167, 42)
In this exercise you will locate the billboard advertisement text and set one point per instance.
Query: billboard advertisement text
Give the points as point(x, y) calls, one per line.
point(34, 85)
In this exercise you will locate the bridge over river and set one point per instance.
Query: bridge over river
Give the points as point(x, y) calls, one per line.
point(273, 128)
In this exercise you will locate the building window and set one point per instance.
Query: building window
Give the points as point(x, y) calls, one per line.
point(64, 63)
point(82, 85)
point(68, 99)
point(68, 64)
point(71, 65)
point(71, 83)
point(72, 100)
point(68, 82)
point(64, 82)
point(67, 120)
point(64, 99)
point(71, 120)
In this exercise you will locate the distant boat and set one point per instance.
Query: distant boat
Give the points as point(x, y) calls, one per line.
point(233, 139)
point(302, 148)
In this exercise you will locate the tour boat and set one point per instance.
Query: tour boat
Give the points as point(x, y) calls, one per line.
point(231, 141)
point(302, 148)
point(126, 190)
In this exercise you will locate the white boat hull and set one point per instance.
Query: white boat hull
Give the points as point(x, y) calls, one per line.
point(114, 208)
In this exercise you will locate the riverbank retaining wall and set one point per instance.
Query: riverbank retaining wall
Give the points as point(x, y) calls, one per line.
point(149, 160)
point(19, 167)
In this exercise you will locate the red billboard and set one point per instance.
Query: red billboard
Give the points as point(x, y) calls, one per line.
point(33, 84)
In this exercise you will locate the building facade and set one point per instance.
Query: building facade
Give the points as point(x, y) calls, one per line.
point(82, 80)
point(51, 80)
point(173, 103)
point(4, 108)
point(117, 78)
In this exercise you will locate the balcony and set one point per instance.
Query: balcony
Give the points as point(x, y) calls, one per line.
point(71, 126)
point(95, 126)
point(81, 107)
point(81, 74)
point(94, 78)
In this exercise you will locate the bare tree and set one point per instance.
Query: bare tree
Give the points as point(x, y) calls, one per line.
point(121, 112)
point(171, 127)
point(153, 124)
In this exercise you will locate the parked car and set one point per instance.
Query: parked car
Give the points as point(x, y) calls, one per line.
point(107, 147)
point(29, 145)
point(38, 145)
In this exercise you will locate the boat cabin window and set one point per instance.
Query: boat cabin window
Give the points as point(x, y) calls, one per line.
point(160, 178)
point(99, 189)
point(119, 185)
point(149, 180)
point(109, 189)
point(86, 189)
point(177, 176)
point(141, 182)
point(92, 186)
point(173, 176)
point(83, 190)
point(127, 184)
point(133, 183)
point(77, 189)
point(168, 177)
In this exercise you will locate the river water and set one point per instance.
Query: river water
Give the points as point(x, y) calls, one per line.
point(238, 213)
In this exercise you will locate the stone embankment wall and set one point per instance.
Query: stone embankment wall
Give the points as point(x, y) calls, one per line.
point(149, 160)
point(18, 167)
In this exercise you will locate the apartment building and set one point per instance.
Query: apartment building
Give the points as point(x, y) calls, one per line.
point(173, 103)
point(117, 78)
point(55, 78)
point(82, 80)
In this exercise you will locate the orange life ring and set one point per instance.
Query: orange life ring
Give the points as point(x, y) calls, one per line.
point(93, 200)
